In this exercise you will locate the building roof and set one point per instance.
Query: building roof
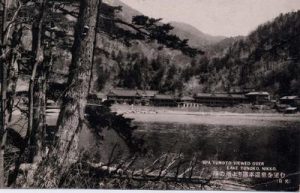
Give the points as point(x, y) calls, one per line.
point(203, 95)
point(290, 98)
point(240, 96)
point(147, 93)
point(164, 97)
point(123, 92)
point(132, 93)
point(258, 93)
point(187, 98)
point(291, 109)
point(220, 95)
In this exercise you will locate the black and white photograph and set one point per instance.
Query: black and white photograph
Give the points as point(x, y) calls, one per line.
point(200, 95)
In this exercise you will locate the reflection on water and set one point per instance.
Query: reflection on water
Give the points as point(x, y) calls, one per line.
point(277, 146)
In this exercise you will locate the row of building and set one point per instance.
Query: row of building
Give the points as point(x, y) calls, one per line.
point(153, 98)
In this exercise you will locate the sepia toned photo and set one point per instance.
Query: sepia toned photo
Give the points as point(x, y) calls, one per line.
point(150, 95)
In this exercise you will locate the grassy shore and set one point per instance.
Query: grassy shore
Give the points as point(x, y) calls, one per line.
point(184, 116)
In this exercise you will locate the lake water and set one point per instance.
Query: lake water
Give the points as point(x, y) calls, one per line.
point(277, 145)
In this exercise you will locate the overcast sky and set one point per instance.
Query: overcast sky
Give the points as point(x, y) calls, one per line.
point(216, 17)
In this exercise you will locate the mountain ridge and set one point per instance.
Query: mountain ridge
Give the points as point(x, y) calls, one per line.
point(197, 38)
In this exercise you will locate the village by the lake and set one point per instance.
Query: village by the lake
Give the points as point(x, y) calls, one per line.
point(150, 95)
point(259, 103)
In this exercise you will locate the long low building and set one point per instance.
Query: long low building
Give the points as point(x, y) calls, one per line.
point(124, 96)
point(187, 102)
point(143, 97)
point(293, 101)
point(149, 97)
point(164, 100)
point(220, 99)
point(258, 97)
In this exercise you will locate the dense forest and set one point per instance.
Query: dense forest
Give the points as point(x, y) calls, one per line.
point(125, 60)
point(267, 59)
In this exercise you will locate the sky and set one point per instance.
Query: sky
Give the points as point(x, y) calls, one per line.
point(216, 17)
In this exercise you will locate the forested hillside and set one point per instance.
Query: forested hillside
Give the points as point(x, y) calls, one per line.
point(267, 59)
point(138, 64)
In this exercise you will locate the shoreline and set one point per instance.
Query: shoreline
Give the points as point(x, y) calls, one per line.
point(181, 116)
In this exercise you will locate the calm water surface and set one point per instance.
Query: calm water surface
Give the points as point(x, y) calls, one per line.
point(276, 145)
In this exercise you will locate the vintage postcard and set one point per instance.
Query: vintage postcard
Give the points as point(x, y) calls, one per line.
point(150, 95)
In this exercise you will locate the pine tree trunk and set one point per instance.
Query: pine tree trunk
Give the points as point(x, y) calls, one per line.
point(65, 151)
point(72, 113)
point(3, 95)
point(34, 131)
